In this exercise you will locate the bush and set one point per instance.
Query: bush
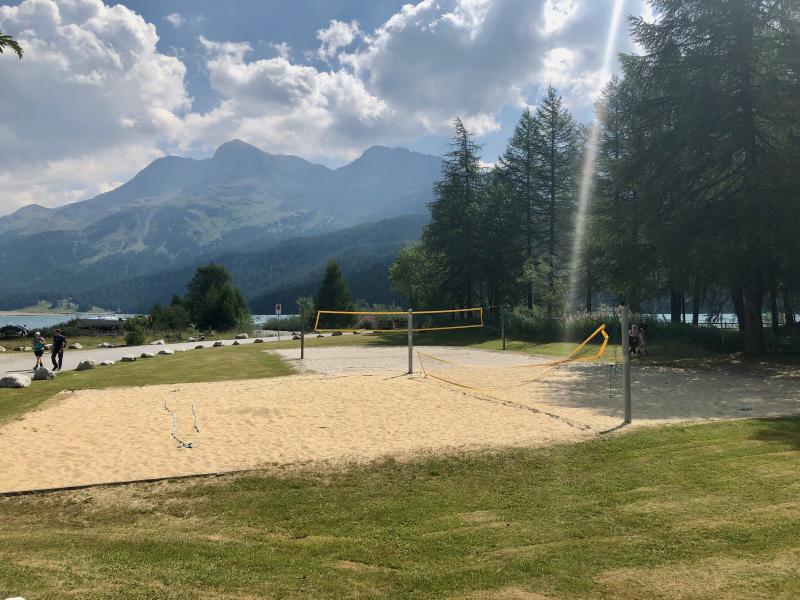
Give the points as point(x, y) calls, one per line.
point(135, 331)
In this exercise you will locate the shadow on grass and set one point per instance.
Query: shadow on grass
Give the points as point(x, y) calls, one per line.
point(783, 431)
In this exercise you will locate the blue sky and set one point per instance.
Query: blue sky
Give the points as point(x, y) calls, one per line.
point(106, 88)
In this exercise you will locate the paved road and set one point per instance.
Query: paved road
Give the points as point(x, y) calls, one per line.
point(22, 362)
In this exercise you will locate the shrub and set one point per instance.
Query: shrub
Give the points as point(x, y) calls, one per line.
point(135, 331)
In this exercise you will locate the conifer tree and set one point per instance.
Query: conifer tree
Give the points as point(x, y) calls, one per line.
point(558, 150)
point(720, 86)
point(521, 164)
point(453, 231)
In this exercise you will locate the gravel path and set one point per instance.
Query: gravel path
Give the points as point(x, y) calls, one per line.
point(22, 362)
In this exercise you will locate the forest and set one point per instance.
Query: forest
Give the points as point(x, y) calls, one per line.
point(693, 193)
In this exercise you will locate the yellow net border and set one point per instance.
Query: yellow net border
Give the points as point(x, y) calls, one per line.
point(399, 313)
point(547, 366)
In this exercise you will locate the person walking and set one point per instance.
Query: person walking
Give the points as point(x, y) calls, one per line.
point(59, 345)
point(38, 349)
point(642, 348)
point(633, 339)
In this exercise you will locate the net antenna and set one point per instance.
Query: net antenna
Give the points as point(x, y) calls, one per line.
point(485, 378)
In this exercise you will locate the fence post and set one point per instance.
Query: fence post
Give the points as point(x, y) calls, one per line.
point(302, 333)
point(503, 324)
point(626, 362)
point(410, 341)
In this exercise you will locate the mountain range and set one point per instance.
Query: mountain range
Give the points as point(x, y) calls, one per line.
point(272, 219)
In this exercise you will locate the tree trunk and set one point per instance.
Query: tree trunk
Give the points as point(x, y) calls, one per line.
point(773, 306)
point(753, 325)
point(588, 292)
point(737, 295)
point(697, 302)
point(788, 309)
point(675, 306)
point(683, 307)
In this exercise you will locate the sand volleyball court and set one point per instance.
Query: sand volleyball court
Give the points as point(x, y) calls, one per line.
point(351, 404)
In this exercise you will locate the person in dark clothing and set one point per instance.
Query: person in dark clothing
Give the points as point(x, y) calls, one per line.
point(633, 339)
point(59, 345)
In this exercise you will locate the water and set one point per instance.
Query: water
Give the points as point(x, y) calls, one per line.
point(587, 177)
point(32, 322)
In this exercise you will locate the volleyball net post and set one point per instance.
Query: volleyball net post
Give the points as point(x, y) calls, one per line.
point(410, 342)
point(626, 363)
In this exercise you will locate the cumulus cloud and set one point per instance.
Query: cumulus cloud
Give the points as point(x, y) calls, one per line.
point(92, 88)
point(337, 35)
point(114, 101)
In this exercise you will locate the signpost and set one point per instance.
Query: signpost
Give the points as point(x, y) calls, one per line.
point(278, 309)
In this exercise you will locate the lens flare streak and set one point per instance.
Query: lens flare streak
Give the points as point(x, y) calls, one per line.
point(587, 175)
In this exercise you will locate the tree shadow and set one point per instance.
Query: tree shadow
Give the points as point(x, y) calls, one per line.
point(783, 431)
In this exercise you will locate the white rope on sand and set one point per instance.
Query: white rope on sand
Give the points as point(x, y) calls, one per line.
point(174, 433)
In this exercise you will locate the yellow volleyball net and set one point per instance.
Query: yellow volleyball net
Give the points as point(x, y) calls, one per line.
point(398, 321)
point(482, 375)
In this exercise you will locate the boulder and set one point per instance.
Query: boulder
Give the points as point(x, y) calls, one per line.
point(242, 336)
point(335, 333)
point(166, 351)
point(179, 349)
point(107, 363)
point(258, 341)
point(192, 339)
point(15, 380)
point(218, 344)
point(200, 347)
point(2, 348)
point(320, 335)
point(85, 365)
point(23, 349)
point(235, 342)
point(202, 338)
point(76, 346)
point(43, 374)
point(157, 343)
point(147, 355)
point(295, 337)
point(105, 345)
point(128, 358)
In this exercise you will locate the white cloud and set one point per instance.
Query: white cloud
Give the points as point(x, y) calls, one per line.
point(113, 101)
point(92, 89)
point(175, 19)
point(337, 35)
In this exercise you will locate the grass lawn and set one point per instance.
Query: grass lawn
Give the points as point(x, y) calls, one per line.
point(210, 364)
point(704, 511)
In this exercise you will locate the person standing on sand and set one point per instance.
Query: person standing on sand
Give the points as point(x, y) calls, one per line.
point(38, 349)
point(59, 344)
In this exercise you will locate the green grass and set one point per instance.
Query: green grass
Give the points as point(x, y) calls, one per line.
point(210, 364)
point(682, 512)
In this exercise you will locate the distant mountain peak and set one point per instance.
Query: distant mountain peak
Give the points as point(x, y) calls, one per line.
point(32, 209)
point(237, 147)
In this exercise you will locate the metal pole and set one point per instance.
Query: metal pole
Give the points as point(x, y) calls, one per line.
point(626, 362)
point(410, 341)
point(503, 324)
point(302, 333)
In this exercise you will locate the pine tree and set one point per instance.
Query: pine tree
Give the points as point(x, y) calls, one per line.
point(334, 292)
point(720, 87)
point(558, 150)
point(453, 230)
point(521, 164)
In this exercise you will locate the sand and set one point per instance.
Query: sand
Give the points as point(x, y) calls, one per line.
point(356, 406)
